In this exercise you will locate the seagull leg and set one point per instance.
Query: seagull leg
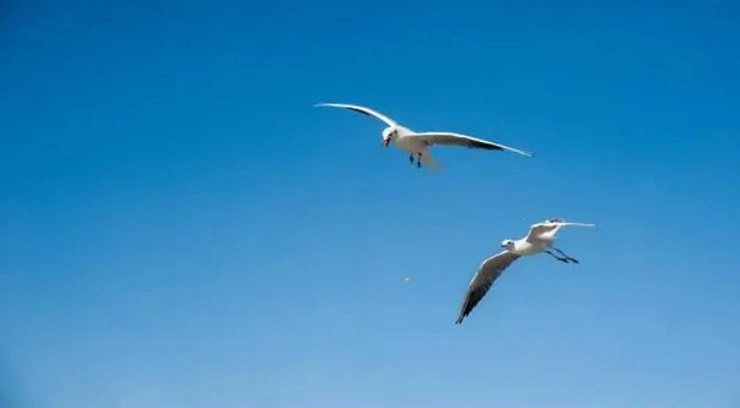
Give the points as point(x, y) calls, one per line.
point(411, 158)
point(568, 257)
point(564, 260)
point(418, 162)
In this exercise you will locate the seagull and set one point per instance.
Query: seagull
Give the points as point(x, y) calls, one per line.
point(540, 239)
point(417, 144)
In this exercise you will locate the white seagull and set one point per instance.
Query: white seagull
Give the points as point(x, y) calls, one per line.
point(540, 239)
point(417, 144)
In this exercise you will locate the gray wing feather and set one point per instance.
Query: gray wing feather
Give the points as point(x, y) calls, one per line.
point(487, 273)
point(457, 139)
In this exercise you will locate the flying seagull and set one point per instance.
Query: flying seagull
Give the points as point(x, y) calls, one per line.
point(417, 144)
point(540, 239)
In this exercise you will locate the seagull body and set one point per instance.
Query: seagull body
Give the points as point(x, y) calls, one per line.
point(539, 239)
point(417, 144)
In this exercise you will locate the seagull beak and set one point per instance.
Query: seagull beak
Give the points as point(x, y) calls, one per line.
point(386, 142)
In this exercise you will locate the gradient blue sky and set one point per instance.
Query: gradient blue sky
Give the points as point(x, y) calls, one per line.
point(180, 228)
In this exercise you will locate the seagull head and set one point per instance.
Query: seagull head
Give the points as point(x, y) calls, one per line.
point(388, 134)
point(507, 243)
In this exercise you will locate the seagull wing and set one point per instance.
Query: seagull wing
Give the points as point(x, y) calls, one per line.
point(361, 109)
point(487, 273)
point(536, 230)
point(456, 139)
point(575, 224)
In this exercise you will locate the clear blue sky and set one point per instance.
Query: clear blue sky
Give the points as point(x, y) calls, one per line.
point(180, 228)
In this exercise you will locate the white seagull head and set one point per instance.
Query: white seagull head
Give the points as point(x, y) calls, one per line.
point(507, 243)
point(389, 134)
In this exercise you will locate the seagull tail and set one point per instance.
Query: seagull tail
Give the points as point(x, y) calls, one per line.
point(431, 163)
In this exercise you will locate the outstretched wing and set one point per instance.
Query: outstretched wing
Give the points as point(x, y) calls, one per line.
point(575, 224)
point(456, 139)
point(361, 109)
point(487, 273)
point(537, 230)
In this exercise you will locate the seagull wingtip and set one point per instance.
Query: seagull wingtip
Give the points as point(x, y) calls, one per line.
point(328, 104)
point(522, 152)
point(460, 318)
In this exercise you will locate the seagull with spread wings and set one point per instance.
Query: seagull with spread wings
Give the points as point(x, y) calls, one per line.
point(417, 144)
point(540, 238)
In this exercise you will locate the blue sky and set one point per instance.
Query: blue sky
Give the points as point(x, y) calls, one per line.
point(180, 228)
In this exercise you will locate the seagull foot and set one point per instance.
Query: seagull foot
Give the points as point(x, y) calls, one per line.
point(559, 258)
point(567, 257)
